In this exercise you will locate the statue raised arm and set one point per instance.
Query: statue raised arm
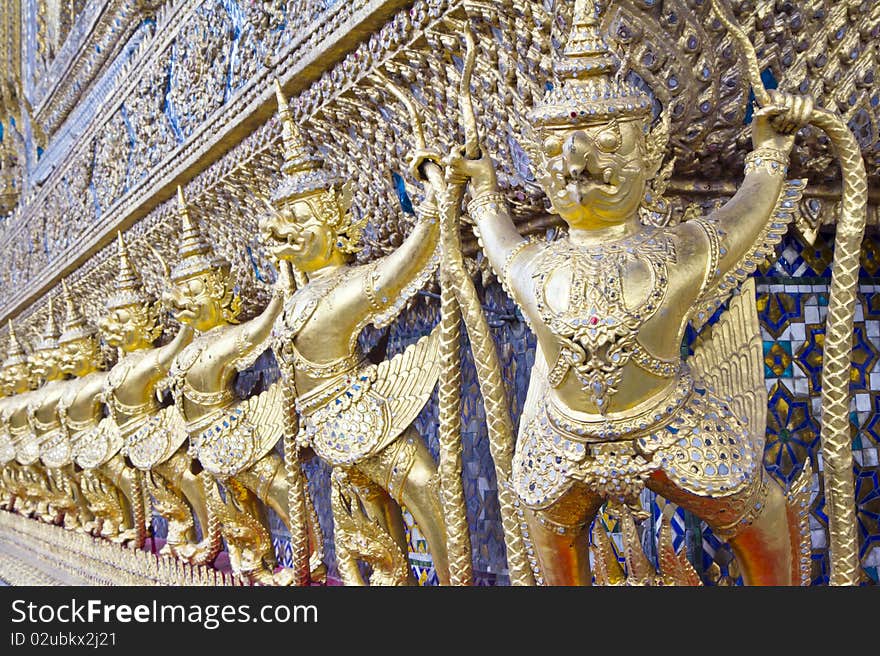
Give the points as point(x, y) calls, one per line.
point(611, 407)
point(356, 415)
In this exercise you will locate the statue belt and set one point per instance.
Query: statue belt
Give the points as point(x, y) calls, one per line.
point(345, 420)
point(697, 442)
point(579, 427)
point(98, 444)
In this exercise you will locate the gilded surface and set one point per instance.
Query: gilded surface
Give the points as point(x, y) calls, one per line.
point(257, 398)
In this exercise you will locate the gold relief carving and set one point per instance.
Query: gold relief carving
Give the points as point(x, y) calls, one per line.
point(199, 66)
point(598, 163)
point(111, 162)
point(153, 137)
point(521, 72)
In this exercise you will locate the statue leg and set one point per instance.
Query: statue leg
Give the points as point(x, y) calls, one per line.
point(267, 478)
point(381, 508)
point(129, 482)
point(407, 471)
point(763, 526)
point(184, 499)
point(560, 536)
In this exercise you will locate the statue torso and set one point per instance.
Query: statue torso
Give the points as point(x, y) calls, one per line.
point(610, 318)
point(307, 333)
point(82, 403)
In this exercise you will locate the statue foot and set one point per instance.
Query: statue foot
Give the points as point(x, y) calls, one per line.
point(185, 551)
point(127, 537)
point(282, 578)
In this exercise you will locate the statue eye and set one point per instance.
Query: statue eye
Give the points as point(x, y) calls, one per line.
point(608, 140)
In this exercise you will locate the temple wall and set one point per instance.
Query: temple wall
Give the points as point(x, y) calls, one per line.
point(141, 97)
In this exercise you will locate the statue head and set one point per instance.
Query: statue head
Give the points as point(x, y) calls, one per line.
point(200, 290)
point(45, 360)
point(78, 347)
point(312, 224)
point(15, 374)
point(132, 319)
point(590, 136)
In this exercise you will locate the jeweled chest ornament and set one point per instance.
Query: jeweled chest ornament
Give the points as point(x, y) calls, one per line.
point(598, 327)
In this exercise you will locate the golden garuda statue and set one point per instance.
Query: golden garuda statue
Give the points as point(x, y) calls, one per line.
point(139, 430)
point(37, 424)
point(232, 439)
point(79, 411)
point(354, 414)
point(612, 407)
point(16, 380)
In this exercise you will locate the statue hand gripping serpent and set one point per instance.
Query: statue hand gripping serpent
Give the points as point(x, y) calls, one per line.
point(355, 415)
point(612, 408)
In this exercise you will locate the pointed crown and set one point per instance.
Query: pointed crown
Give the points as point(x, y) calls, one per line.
point(129, 289)
point(588, 89)
point(304, 172)
point(196, 254)
point(75, 326)
point(15, 353)
point(49, 339)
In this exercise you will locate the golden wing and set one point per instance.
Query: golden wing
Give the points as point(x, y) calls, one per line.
point(407, 380)
point(265, 412)
point(729, 358)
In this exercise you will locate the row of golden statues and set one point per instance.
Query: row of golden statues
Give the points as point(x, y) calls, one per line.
point(612, 408)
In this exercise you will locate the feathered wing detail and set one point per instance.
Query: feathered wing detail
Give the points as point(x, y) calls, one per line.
point(157, 439)
point(242, 434)
point(265, 412)
point(406, 381)
point(729, 358)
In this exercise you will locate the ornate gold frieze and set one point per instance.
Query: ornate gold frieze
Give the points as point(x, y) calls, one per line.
point(158, 158)
point(33, 553)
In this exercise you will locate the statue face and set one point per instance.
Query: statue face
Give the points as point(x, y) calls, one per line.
point(126, 328)
point(595, 174)
point(45, 364)
point(16, 378)
point(298, 234)
point(78, 357)
point(197, 301)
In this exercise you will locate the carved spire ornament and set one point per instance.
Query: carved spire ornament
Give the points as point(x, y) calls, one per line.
point(587, 86)
point(49, 338)
point(304, 171)
point(196, 255)
point(15, 354)
point(129, 289)
point(74, 326)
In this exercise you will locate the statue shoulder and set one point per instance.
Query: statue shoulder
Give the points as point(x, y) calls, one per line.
point(300, 307)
